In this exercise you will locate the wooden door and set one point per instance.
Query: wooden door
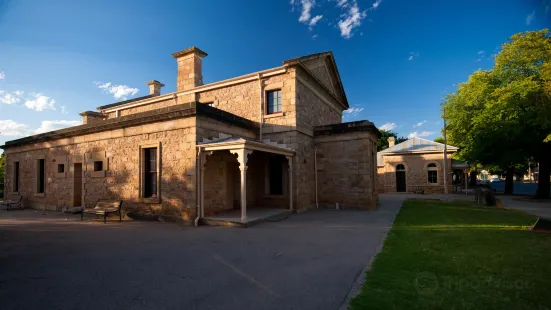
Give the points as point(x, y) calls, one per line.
point(400, 181)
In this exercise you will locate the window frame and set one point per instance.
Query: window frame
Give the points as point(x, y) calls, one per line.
point(142, 166)
point(16, 176)
point(150, 173)
point(40, 185)
point(267, 101)
point(432, 174)
point(96, 164)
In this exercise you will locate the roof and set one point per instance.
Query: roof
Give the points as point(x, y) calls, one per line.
point(414, 145)
point(292, 61)
point(107, 106)
point(162, 114)
point(234, 143)
point(329, 54)
point(339, 128)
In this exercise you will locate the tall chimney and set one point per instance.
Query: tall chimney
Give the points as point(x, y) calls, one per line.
point(155, 87)
point(190, 63)
point(391, 141)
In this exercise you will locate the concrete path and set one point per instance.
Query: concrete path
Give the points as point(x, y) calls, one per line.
point(308, 261)
point(542, 208)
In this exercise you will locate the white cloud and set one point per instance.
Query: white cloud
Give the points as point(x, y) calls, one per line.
point(64, 110)
point(421, 123)
point(306, 9)
point(530, 17)
point(342, 3)
point(413, 55)
point(8, 98)
point(46, 126)
point(314, 37)
point(2, 75)
point(13, 128)
point(9, 127)
point(315, 20)
point(481, 55)
point(353, 111)
point(376, 4)
point(388, 126)
point(420, 134)
point(352, 19)
point(40, 103)
point(119, 92)
point(19, 93)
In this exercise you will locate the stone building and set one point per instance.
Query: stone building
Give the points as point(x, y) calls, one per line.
point(415, 165)
point(268, 140)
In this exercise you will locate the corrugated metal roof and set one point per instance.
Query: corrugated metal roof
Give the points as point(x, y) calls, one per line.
point(414, 145)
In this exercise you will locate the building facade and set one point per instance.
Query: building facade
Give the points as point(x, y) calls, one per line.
point(415, 165)
point(269, 139)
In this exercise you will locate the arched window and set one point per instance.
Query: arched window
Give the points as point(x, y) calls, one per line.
point(400, 167)
point(432, 174)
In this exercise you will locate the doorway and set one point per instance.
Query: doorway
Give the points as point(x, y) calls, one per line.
point(77, 185)
point(400, 178)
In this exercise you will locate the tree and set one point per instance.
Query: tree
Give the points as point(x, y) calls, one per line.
point(502, 116)
point(440, 140)
point(382, 143)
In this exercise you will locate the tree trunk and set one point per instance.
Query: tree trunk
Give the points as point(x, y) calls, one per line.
point(472, 179)
point(509, 182)
point(543, 178)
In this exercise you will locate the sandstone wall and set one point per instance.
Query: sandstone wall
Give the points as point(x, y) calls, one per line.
point(119, 151)
point(347, 175)
point(315, 106)
point(416, 172)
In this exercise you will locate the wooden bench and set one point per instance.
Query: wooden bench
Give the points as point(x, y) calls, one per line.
point(17, 202)
point(104, 207)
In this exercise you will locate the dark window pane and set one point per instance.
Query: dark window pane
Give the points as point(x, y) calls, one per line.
point(41, 174)
point(98, 165)
point(60, 168)
point(16, 177)
point(150, 172)
point(432, 177)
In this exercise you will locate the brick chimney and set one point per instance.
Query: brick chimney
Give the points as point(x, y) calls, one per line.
point(155, 87)
point(190, 64)
point(391, 141)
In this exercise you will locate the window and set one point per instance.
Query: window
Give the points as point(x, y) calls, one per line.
point(432, 174)
point(98, 165)
point(40, 174)
point(60, 168)
point(150, 173)
point(400, 167)
point(275, 172)
point(16, 176)
point(274, 101)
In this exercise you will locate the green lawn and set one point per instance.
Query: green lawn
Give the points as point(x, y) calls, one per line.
point(454, 255)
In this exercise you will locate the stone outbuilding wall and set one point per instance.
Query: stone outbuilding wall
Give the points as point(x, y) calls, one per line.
point(346, 157)
point(416, 166)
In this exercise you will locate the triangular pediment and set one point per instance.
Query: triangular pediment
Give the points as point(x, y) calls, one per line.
point(323, 67)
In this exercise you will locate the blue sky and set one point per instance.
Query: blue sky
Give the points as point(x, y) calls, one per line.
point(397, 59)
